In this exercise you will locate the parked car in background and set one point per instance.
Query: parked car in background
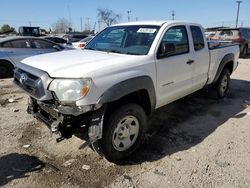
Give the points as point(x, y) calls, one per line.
point(29, 31)
point(82, 43)
point(57, 40)
point(14, 49)
point(3, 35)
point(209, 34)
point(240, 35)
point(74, 37)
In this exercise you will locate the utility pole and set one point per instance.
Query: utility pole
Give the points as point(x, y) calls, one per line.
point(81, 23)
point(88, 24)
point(30, 23)
point(238, 12)
point(173, 14)
point(129, 11)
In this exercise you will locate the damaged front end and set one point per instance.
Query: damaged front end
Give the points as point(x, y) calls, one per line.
point(63, 119)
point(65, 125)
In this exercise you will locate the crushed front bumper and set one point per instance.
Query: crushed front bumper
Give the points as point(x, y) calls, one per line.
point(65, 125)
point(56, 121)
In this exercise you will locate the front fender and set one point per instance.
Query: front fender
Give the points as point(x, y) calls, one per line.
point(5, 57)
point(129, 86)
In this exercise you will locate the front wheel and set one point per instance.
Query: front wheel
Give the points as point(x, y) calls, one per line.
point(124, 132)
point(222, 84)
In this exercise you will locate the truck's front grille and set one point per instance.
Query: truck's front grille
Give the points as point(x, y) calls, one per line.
point(30, 83)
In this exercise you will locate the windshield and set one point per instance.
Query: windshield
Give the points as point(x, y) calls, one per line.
point(135, 40)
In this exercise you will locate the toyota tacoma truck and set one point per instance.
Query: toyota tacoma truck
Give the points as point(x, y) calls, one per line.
point(123, 74)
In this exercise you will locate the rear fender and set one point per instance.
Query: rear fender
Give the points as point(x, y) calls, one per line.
point(227, 58)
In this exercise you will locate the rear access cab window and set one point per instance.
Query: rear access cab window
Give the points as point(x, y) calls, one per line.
point(198, 39)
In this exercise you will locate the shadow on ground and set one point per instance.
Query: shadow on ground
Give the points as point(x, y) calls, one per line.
point(168, 131)
point(16, 166)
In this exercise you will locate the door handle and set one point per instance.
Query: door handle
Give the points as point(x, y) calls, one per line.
point(190, 61)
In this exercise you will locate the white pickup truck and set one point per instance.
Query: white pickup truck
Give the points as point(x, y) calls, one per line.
point(124, 74)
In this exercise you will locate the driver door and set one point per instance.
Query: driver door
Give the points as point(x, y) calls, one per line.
point(174, 65)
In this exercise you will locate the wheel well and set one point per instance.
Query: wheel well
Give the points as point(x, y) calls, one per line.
point(230, 66)
point(140, 97)
point(8, 62)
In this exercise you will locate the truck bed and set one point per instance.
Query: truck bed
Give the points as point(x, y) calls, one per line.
point(220, 44)
point(217, 50)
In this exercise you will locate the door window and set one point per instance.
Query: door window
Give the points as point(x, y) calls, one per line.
point(198, 39)
point(6, 45)
point(21, 43)
point(41, 44)
point(174, 42)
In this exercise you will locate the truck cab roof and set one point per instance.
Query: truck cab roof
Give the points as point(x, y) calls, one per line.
point(156, 22)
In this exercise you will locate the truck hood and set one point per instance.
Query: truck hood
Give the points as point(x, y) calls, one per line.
point(76, 63)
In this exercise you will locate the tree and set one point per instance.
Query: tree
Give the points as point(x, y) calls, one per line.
point(6, 29)
point(108, 16)
point(62, 25)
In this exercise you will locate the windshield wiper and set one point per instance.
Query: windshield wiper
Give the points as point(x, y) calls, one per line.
point(97, 49)
point(132, 53)
point(114, 51)
point(120, 52)
point(89, 48)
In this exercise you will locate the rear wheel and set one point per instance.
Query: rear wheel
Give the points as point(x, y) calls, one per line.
point(222, 84)
point(124, 132)
point(6, 69)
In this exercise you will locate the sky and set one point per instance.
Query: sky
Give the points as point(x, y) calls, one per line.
point(44, 13)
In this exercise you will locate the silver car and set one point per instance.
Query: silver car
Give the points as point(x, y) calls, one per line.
point(15, 49)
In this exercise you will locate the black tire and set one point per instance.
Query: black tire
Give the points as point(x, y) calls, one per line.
point(6, 69)
point(243, 53)
point(222, 84)
point(110, 135)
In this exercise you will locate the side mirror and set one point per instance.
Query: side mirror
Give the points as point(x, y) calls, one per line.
point(161, 51)
point(166, 49)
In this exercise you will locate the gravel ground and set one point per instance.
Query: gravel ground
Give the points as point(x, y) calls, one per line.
point(198, 141)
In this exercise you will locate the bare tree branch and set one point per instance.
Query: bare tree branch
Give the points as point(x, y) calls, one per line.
point(61, 25)
point(108, 16)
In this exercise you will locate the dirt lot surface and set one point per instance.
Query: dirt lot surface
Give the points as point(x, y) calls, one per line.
point(198, 141)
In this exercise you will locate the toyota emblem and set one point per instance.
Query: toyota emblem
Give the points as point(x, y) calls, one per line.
point(23, 78)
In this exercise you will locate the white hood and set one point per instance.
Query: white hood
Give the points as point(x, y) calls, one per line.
point(76, 63)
